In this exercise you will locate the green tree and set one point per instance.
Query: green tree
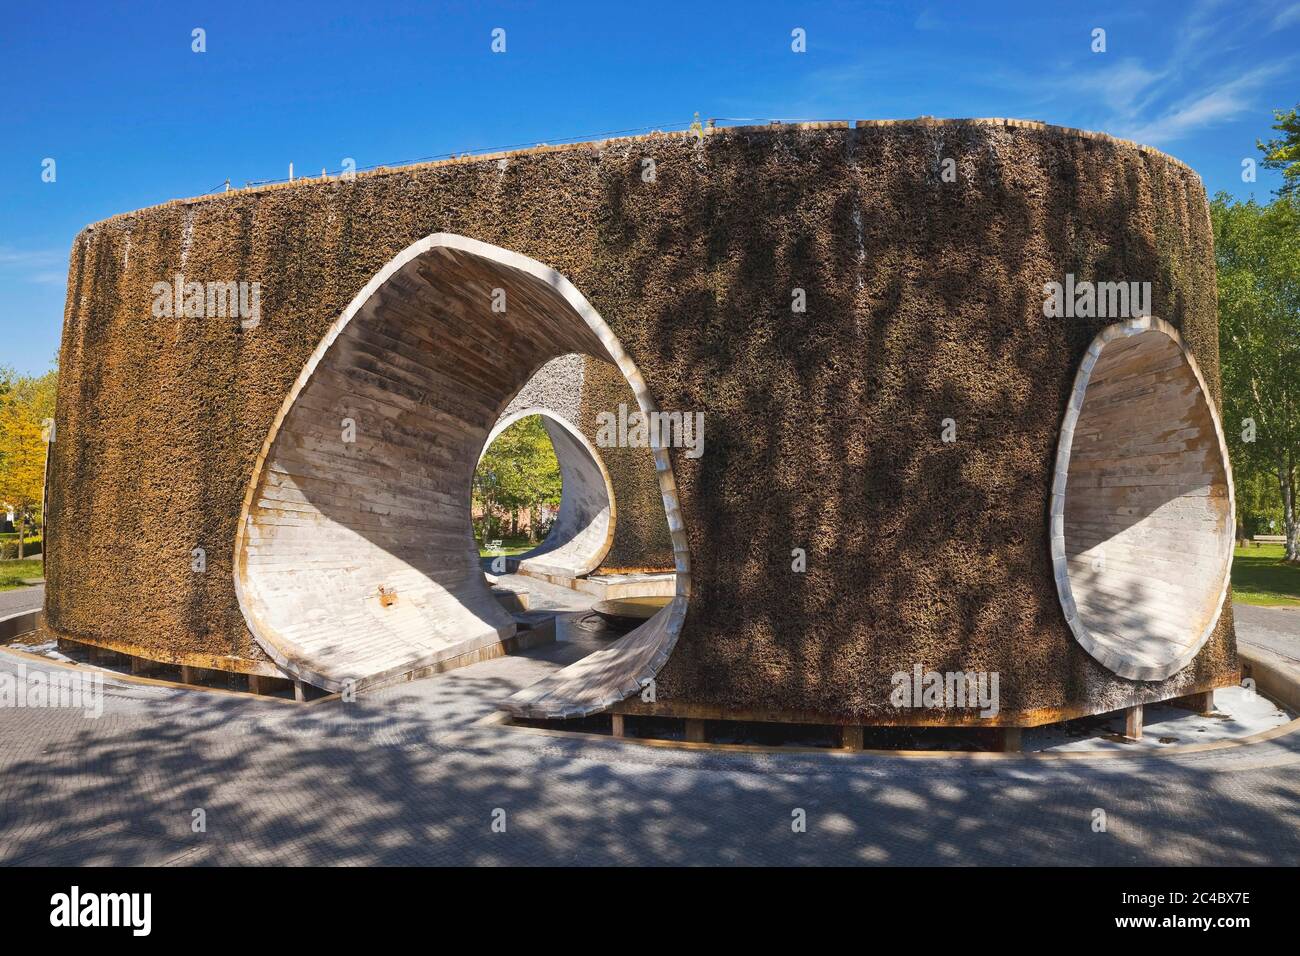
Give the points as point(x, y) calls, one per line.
point(1258, 252)
point(519, 472)
point(1283, 152)
point(1259, 505)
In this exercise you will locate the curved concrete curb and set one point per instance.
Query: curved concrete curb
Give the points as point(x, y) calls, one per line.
point(1073, 756)
point(1275, 676)
point(23, 622)
point(118, 676)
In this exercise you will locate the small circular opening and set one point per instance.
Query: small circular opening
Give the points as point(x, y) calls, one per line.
point(582, 530)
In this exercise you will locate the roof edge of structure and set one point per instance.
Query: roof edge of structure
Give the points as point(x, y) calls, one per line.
point(774, 127)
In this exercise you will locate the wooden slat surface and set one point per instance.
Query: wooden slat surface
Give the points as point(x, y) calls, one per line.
point(1147, 511)
point(424, 368)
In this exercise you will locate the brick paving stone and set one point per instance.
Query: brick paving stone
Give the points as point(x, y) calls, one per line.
point(409, 775)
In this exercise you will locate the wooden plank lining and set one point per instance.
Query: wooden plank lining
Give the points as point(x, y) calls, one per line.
point(424, 367)
point(1141, 510)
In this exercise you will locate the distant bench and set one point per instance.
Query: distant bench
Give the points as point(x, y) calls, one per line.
point(1269, 539)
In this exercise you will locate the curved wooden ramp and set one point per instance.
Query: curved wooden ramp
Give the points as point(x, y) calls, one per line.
point(604, 678)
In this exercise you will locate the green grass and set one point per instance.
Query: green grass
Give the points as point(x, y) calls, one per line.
point(509, 547)
point(1260, 576)
point(13, 572)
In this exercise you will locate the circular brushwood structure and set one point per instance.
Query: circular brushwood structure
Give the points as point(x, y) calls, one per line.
point(909, 465)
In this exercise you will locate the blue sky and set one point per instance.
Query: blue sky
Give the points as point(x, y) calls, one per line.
point(132, 117)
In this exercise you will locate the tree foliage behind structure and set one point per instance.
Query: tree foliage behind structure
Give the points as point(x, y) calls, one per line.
point(518, 473)
point(1258, 252)
point(1283, 152)
point(26, 408)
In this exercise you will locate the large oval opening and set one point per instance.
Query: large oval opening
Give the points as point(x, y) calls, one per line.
point(1142, 504)
point(355, 559)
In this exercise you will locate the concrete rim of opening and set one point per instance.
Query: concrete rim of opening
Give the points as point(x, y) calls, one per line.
point(1119, 663)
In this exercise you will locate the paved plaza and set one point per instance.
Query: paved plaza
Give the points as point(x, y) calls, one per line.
point(411, 775)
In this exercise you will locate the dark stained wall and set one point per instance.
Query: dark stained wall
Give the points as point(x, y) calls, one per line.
point(641, 538)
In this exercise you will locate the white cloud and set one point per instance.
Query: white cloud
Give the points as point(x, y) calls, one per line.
point(1209, 75)
point(1287, 17)
point(1124, 88)
point(31, 258)
point(40, 266)
point(1203, 109)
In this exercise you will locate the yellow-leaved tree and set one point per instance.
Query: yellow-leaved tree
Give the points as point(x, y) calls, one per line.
point(22, 455)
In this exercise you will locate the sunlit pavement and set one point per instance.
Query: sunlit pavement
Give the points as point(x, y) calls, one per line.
point(1275, 629)
point(17, 600)
point(409, 775)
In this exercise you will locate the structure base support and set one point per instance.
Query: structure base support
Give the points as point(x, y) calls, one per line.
point(1201, 702)
point(1133, 722)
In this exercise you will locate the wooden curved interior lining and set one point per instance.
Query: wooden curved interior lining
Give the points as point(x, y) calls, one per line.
point(423, 368)
point(1143, 531)
point(610, 675)
point(355, 559)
